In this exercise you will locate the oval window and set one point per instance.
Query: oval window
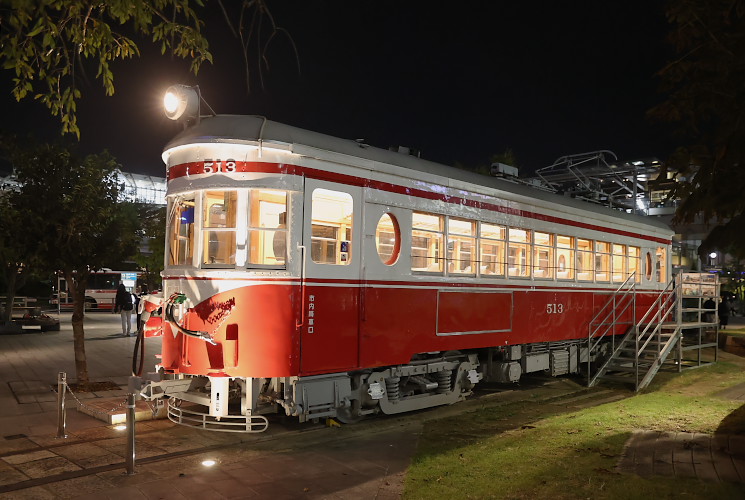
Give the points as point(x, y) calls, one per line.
point(388, 239)
point(648, 270)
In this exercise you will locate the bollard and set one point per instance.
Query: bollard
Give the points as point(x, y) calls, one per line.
point(61, 415)
point(130, 434)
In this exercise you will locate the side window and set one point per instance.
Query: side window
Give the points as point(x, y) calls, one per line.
point(218, 227)
point(267, 227)
point(635, 263)
point(585, 266)
point(564, 257)
point(518, 253)
point(331, 219)
point(182, 232)
point(461, 246)
point(602, 261)
point(661, 265)
point(619, 263)
point(648, 266)
point(491, 249)
point(426, 242)
point(388, 239)
point(543, 255)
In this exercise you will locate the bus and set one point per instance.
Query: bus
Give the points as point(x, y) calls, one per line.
point(100, 293)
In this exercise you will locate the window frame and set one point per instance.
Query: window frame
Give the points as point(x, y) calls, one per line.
point(439, 242)
point(344, 236)
point(501, 243)
point(263, 233)
point(527, 246)
point(457, 239)
point(205, 229)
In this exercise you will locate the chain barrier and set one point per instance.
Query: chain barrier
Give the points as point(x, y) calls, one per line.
point(94, 410)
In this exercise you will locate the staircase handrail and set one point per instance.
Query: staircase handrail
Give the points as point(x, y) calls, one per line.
point(607, 311)
point(662, 307)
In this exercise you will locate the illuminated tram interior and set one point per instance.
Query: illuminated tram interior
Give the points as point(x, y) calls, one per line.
point(248, 229)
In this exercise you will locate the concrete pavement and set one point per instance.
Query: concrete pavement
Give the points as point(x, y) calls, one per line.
point(290, 460)
point(321, 462)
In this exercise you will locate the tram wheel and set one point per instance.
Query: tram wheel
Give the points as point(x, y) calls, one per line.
point(348, 415)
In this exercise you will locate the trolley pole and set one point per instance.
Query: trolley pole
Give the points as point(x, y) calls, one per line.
point(61, 414)
point(130, 434)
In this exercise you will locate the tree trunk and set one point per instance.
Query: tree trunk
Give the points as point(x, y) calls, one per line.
point(10, 295)
point(76, 286)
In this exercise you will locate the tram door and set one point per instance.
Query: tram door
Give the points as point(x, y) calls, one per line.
point(329, 335)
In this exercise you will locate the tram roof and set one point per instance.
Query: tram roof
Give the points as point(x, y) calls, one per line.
point(252, 129)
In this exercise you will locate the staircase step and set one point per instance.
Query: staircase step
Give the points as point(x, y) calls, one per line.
point(628, 379)
point(643, 367)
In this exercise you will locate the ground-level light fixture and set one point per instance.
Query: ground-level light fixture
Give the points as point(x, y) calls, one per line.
point(209, 462)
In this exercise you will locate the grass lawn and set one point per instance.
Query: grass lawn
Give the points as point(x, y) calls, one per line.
point(530, 449)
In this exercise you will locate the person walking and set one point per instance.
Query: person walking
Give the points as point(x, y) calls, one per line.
point(141, 292)
point(123, 304)
point(723, 311)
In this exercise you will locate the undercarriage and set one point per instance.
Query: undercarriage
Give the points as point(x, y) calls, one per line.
point(430, 379)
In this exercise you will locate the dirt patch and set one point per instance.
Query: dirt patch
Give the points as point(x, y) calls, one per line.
point(91, 387)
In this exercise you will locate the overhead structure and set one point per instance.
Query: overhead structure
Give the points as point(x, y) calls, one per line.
point(599, 177)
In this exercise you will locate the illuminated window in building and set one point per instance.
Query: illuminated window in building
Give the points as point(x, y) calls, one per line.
point(388, 239)
point(461, 246)
point(564, 257)
point(491, 244)
point(635, 263)
point(585, 266)
point(331, 238)
point(618, 263)
point(218, 227)
point(543, 255)
point(661, 264)
point(602, 261)
point(267, 227)
point(181, 248)
point(426, 242)
point(518, 253)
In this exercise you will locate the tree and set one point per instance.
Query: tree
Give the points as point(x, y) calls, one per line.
point(150, 254)
point(706, 102)
point(77, 221)
point(18, 246)
point(17, 251)
point(50, 45)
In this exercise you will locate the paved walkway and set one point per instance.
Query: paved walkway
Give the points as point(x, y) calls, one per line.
point(290, 460)
point(324, 462)
point(685, 454)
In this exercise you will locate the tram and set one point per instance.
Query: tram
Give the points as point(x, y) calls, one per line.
point(323, 277)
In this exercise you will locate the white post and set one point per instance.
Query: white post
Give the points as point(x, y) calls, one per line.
point(61, 415)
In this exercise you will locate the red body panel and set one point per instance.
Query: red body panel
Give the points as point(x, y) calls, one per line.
point(254, 327)
point(267, 331)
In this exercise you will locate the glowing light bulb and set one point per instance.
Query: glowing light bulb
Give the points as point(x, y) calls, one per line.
point(170, 102)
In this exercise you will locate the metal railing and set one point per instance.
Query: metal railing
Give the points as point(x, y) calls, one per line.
point(644, 331)
point(659, 313)
point(610, 316)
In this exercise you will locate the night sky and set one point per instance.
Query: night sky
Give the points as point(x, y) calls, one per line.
point(459, 81)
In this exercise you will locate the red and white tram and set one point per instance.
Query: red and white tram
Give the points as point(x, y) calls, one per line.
point(324, 277)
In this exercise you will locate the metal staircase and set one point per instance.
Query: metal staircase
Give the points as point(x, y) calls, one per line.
point(676, 322)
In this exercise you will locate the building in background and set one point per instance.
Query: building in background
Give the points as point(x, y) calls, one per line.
point(135, 188)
